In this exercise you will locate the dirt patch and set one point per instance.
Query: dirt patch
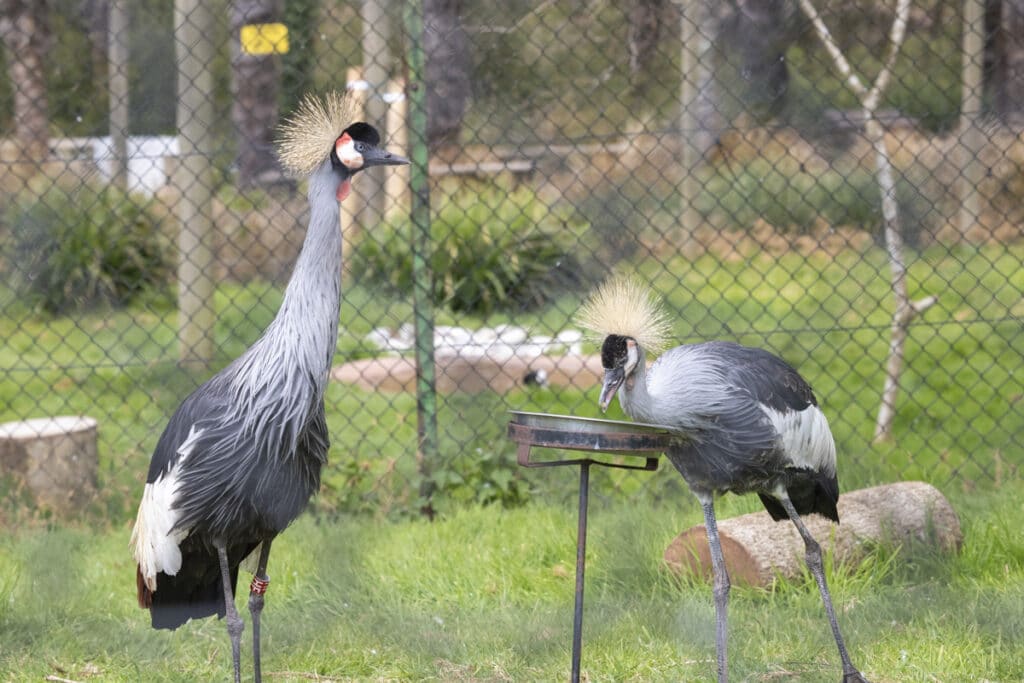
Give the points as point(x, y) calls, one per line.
point(470, 375)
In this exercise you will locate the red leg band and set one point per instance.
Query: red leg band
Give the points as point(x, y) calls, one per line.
point(258, 585)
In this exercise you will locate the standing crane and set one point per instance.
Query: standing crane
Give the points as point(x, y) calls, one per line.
point(752, 425)
point(241, 456)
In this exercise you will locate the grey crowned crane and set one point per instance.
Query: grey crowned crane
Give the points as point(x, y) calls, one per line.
point(241, 456)
point(753, 426)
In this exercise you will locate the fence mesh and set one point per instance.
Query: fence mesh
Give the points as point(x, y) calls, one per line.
point(716, 151)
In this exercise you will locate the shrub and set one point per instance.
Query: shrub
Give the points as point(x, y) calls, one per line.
point(490, 251)
point(483, 477)
point(86, 246)
point(790, 198)
point(795, 199)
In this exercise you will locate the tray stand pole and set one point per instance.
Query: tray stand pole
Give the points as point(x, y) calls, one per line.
point(581, 560)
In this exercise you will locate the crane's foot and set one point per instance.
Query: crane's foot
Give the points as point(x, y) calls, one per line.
point(854, 677)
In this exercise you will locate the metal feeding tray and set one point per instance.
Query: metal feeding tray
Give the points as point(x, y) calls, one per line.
point(607, 437)
point(597, 437)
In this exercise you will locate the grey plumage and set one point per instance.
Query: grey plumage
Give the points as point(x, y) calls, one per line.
point(724, 396)
point(241, 457)
point(262, 435)
point(752, 424)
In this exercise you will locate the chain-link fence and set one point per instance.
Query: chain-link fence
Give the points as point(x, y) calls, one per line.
point(858, 215)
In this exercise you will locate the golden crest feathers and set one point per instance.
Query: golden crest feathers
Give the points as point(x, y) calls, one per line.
point(307, 137)
point(627, 307)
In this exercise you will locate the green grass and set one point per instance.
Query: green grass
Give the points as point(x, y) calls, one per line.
point(958, 420)
point(486, 594)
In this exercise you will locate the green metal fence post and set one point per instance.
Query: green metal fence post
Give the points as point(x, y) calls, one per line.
point(423, 310)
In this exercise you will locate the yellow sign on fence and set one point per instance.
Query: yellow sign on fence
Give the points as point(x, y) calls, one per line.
point(264, 39)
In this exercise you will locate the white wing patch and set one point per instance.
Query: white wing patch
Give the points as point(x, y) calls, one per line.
point(155, 541)
point(805, 438)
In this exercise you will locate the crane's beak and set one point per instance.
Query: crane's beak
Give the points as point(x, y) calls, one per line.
point(613, 378)
point(378, 156)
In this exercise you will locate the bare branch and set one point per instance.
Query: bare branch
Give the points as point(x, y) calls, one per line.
point(896, 34)
point(833, 49)
point(922, 305)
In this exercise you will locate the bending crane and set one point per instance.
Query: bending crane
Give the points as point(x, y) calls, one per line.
point(753, 426)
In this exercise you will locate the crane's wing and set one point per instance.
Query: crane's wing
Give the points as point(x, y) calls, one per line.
point(195, 414)
point(751, 416)
point(770, 380)
point(804, 440)
point(157, 536)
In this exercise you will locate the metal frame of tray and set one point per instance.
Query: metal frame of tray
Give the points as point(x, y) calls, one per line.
point(599, 437)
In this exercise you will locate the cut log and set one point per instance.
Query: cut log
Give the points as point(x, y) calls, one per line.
point(55, 458)
point(757, 549)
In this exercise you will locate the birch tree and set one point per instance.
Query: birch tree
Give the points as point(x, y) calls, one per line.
point(904, 309)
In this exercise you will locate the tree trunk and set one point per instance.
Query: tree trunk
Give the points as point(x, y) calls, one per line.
point(699, 120)
point(646, 18)
point(446, 50)
point(117, 87)
point(193, 177)
point(55, 458)
point(970, 135)
point(1011, 100)
point(255, 82)
point(376, 65)
point(24, 30)
point(759, 32)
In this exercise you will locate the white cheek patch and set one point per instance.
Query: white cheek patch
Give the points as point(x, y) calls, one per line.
point(632, 357)
point(346, 150)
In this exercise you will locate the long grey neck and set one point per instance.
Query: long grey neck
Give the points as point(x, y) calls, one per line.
point(278, 384)
point(308, 319)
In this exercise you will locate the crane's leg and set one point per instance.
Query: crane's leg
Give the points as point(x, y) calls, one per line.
point(817, 567)
point(721, 585)
point(256, 590)
point(235, 623)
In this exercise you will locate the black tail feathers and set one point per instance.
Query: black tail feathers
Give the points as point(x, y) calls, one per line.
point(196, 592)
point(815, 493)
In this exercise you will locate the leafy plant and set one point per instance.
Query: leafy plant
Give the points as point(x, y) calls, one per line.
point(491, 251)
point(486, 477)
point(82, 247)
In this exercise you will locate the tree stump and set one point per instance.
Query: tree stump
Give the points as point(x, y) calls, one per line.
point(55, 458)
point(757, 548)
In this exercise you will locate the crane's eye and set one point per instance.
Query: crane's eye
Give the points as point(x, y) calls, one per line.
point(360, 147)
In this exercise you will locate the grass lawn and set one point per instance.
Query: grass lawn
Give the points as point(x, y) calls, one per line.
point(486, 595)
point(958, 420)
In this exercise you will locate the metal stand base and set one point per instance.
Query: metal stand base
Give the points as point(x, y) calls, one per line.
point(647, 446)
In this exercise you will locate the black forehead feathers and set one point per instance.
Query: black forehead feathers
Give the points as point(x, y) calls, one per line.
point(613, 351)
point(363, 132)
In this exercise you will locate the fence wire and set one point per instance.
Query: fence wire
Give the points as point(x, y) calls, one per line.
point(713, 150)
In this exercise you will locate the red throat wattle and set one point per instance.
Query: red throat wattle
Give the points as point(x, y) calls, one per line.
point(344, 188)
